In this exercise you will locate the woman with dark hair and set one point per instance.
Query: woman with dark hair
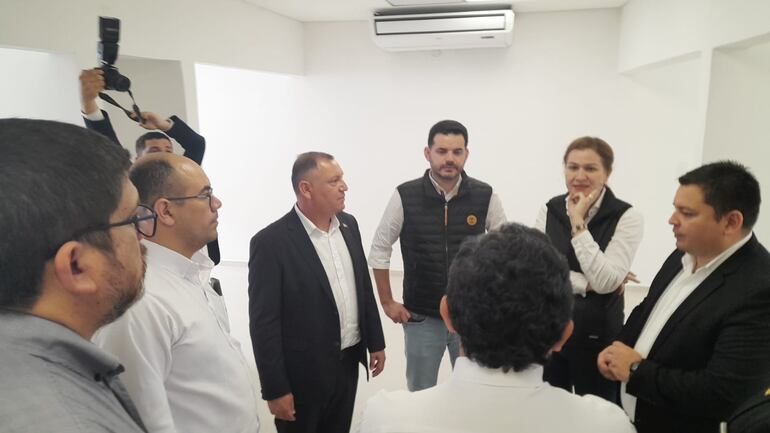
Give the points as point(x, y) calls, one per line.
point(599, 235)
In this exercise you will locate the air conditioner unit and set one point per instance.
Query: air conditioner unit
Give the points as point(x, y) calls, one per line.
point(443, 31)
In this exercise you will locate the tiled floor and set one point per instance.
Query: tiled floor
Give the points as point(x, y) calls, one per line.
point(234, 284)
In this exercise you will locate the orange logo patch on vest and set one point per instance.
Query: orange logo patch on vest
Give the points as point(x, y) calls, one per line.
point(471, 220)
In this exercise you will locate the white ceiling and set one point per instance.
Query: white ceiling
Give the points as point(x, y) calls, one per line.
point(353, 10)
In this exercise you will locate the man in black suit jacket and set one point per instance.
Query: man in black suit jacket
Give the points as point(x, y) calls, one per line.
point(311, 305)
point(699, 343)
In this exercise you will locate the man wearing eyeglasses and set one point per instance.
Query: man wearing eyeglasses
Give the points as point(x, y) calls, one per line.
point(70, 262)
point(184, 369)
point(194, 145)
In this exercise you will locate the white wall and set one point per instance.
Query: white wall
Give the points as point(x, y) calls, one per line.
point(730, 39)
point(523, 105)
point(252, 144)
point(657, 30)
point(739, 109)
point(38, 84)
point(226, 32)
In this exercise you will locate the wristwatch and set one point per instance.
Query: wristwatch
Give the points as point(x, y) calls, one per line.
point(632, 369)
point(577, 228)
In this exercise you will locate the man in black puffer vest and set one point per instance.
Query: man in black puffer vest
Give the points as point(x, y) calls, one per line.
point(431, 215)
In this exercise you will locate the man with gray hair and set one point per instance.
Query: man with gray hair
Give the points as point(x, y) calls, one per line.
point(311, 305)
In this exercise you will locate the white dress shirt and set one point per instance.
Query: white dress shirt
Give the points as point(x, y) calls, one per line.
point(393, 220)
point(336, 260)
point(604, 271)
point(682, 286)
point(184, 371)
point(483, 400)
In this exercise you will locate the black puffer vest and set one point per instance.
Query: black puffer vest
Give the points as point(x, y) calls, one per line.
point(431, 235)
point(598, 318)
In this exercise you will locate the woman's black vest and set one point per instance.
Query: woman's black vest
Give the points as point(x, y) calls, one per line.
point(598, 318)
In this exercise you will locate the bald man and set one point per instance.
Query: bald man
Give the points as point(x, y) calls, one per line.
point(183, 368)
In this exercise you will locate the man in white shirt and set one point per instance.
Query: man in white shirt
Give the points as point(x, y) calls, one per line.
point(699, 343)
point(510, 300)
point(313, 317)
point(431, 215)
point(183, 368)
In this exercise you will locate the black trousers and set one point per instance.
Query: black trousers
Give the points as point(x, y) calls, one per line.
point(333, 411)
point(576, 367)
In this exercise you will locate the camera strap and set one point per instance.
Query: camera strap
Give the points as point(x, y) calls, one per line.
point(138, 116)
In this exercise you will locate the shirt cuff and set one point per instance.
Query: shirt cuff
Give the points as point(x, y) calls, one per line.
point(377, 263)
point(94, 117)
point(582, 238)
point(579, 283)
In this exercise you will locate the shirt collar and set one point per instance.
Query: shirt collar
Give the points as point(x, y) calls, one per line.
point(58, 344)
point(468, 370)
point(446, 194)
point(311, 228)
point(193, 269)
point(688, 260)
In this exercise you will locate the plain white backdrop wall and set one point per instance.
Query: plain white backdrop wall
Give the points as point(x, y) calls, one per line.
point(227, 32)
point(251, 144)
point(739, 109)
point(38, 84)
point(656, 30)
point(372, 110)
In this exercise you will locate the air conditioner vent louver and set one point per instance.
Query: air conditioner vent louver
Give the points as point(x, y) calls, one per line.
point(450, 30)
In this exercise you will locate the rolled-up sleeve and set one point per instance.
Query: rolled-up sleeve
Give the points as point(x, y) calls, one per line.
point(495, 213)
point(387, 233)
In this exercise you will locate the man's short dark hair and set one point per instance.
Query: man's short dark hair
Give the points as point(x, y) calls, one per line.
point(304, 163)
point(141, 142)
point(447, 127)
point(727, 186)
point(153, 179)
point(509, 297)
point(56, 180)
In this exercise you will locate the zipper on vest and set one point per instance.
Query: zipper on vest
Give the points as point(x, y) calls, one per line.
point(446, 239)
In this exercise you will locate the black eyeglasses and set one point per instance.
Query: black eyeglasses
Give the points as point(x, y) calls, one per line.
point(144, 220)
point(202, 196)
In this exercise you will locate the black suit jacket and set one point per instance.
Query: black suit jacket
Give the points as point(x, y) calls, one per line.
point(713, 351)
point(294, 322)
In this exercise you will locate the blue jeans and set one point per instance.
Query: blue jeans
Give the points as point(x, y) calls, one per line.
point(425, 339)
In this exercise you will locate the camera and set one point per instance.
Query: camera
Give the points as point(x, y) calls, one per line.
point(109, 35)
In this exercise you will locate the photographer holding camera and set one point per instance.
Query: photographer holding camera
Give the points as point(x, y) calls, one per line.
point(194, 145)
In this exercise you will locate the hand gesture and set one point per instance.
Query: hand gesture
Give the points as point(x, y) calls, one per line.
point(377, 362)
point(397, 312)
point(283, 407)
point(614, 362)
point(91, 83)
point(622, 287)
point(578, 204)
point(152, 121)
